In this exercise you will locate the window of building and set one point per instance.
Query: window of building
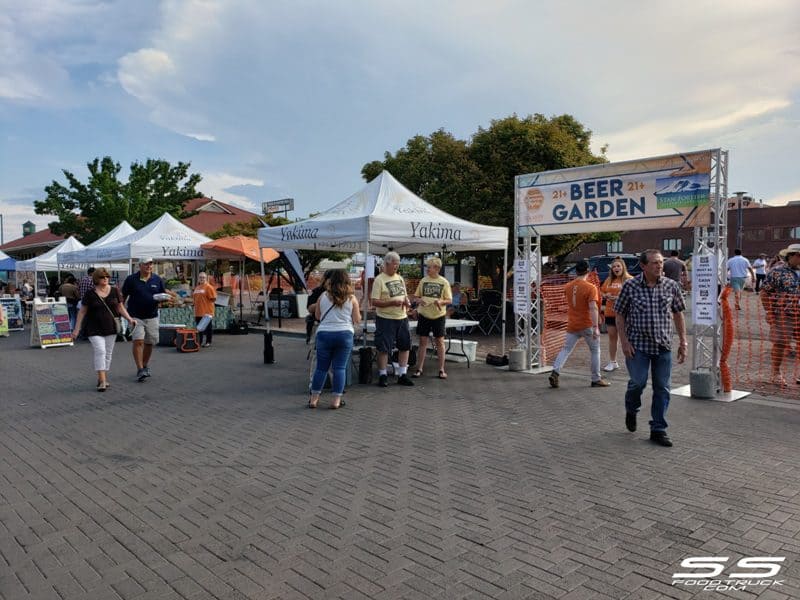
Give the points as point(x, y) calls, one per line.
point(755, 235)
point(614, 247)
point(794, 233)
point(779, 233)
point(672, 244)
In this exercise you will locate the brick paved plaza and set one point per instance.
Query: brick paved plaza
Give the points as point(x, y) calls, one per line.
point(212, 480)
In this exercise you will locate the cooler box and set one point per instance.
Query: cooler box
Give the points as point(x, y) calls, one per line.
point(167, 332)
point(454, 353)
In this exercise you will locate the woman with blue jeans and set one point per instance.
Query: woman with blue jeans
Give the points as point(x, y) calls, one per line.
point(338, 313)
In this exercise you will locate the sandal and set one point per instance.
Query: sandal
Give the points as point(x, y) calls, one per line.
point(442, 375)
point(417, 373)
point(778, 380)
point(340, 405)
point(310, 405)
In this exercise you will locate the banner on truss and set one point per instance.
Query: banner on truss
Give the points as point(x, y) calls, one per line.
point(651, 193)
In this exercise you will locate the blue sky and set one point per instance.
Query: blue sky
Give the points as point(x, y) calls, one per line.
point(289, 99)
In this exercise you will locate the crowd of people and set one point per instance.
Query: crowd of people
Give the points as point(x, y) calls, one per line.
point(641, 314)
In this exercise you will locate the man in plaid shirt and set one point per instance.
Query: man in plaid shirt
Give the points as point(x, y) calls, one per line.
point(647, 307)
point(84, 285)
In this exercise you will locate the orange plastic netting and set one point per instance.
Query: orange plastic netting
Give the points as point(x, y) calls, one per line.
point(751, 350)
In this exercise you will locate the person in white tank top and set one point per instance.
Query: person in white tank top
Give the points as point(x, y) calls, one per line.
point(338, 313)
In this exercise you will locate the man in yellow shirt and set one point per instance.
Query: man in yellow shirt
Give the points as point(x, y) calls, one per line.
point(433, 293)
point(391, 304)
point(583, 314)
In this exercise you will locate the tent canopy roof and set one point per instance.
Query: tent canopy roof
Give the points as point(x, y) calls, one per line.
point(388, 216)
point(88, 255)
point(49, 260)
point(166, 238)
point(237, 247)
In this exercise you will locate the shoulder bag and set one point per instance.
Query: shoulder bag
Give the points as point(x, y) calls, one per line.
point(117, 320)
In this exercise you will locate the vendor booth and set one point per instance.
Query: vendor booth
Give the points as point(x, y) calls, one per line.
point(166, 240)
point(238, 248)
point(384, 216)
point(48, 262)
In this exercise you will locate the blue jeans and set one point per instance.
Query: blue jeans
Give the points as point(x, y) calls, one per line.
point(72, 311)
point(661, 366)
point(333, 351)
point(569, 345)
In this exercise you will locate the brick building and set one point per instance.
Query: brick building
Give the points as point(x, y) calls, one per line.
point(765, 228)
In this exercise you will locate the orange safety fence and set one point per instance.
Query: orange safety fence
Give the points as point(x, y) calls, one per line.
point(554, 308)
point(751, 347)
point(764, 355)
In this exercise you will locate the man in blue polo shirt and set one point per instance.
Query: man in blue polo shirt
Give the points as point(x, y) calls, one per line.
point(138, 291)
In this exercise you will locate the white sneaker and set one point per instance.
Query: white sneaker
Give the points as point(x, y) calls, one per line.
point(611, 366)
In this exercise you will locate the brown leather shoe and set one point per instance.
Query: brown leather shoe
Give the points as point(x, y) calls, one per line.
point(600, 383)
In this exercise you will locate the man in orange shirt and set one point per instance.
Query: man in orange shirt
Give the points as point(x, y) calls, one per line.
point(583, 322)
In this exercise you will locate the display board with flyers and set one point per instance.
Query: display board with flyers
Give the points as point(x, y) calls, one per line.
point(50, 325)
point(12, 309)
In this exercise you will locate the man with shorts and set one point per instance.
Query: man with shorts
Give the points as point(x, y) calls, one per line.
point(137, 291)
point(738, 266)
point(391, 320)
point(434, 295)
point(780, 296)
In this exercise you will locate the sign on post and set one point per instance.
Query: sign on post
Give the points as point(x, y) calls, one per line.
point(704, 289)
point(284, 205)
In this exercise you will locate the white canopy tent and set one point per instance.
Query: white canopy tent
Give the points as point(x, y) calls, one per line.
point(49, 260)
point(166, 238)
point(87, 256)
point(384, 215)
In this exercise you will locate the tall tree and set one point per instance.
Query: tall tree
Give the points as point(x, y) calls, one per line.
point(89, 210)
point(474, 179)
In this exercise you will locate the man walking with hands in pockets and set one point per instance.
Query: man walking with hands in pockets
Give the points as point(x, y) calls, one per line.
point(647, 307)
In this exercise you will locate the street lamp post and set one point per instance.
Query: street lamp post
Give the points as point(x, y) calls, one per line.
point(739, 226)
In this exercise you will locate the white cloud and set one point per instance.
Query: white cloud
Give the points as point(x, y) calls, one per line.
point(216, 185)
point(663, 136)
point(14, 215)
point(783, 198)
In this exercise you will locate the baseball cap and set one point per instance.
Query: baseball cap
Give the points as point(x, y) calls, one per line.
point(145, 260)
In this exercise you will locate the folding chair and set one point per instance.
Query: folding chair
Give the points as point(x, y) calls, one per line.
point(492, 311)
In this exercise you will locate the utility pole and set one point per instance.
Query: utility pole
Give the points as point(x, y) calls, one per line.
point(739, 225)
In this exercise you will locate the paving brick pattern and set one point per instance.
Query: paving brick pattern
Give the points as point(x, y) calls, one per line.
point(212, 480)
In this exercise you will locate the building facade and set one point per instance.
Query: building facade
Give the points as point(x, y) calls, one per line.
point(764, 228)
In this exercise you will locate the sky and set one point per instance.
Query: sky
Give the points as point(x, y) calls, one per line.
point(271, 100)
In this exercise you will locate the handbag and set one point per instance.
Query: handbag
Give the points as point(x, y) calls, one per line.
point(117, 320)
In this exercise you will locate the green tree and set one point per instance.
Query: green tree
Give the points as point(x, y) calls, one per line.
point(91, 209)
point(474, 179)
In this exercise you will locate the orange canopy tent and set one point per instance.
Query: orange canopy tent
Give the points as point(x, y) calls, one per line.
point(238, 247)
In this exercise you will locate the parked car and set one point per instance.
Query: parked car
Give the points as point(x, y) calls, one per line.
point(602, 264)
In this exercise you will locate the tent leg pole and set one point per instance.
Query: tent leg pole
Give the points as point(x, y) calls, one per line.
point(503, 304)
point(264, 288)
